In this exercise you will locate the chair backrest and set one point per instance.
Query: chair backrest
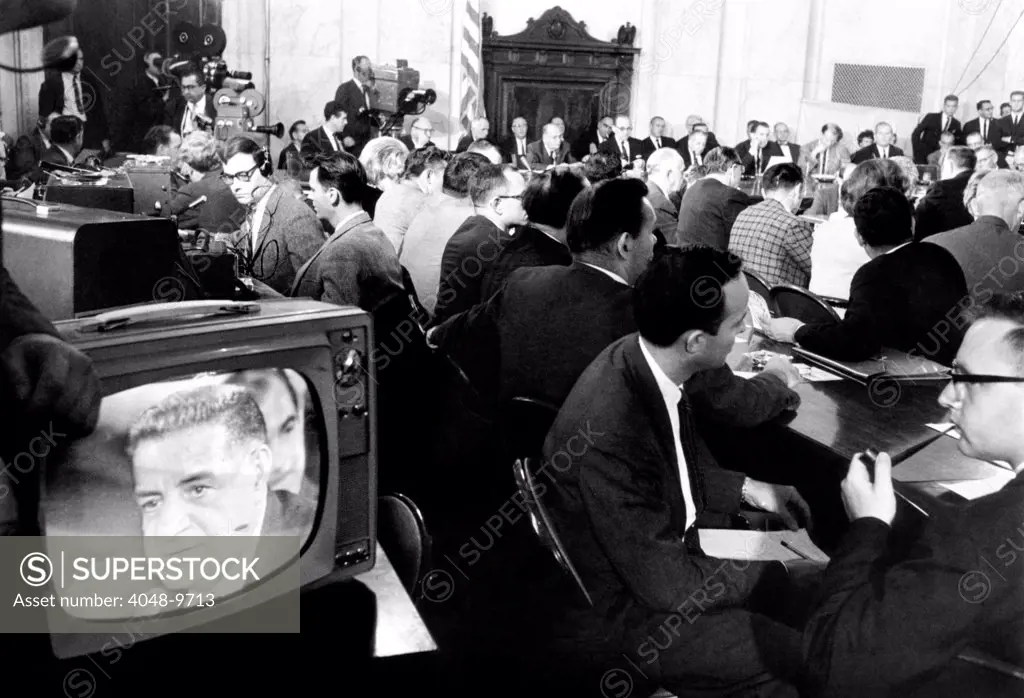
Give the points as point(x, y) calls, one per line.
point(402, 533)
point(757, 285)
point(799, 303)
point(541, 521)
point(525, 423)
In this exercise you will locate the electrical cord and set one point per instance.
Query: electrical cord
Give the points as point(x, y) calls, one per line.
point(977, 48)
point(1008, 35)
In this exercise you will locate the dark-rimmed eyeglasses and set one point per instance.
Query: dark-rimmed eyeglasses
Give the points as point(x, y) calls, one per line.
point(518, 197)
point(957, 374)
point(243, 176)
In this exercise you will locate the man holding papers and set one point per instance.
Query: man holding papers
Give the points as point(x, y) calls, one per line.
point(883, 627)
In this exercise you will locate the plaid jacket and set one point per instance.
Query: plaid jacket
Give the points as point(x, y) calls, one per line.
point(773, 243)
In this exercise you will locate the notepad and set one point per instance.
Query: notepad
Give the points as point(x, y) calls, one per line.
point(976, 489)
point(735, 544)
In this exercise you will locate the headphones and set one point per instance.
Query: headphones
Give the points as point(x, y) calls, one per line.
point(263, 161)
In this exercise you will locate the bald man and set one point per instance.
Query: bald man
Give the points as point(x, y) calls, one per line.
point(419, 135)
point(664, 182)
point(479, 129)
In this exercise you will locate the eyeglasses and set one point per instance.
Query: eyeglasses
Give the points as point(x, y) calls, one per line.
point(518, 197)
point(958, 375)
point(244, 176)
point(425, 130)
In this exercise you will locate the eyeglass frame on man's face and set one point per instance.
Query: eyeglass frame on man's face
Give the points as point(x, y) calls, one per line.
point(958, 375)
point(243, 176)
point(428, 131)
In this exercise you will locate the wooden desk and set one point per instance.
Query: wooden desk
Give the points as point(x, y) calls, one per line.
point(400, 629)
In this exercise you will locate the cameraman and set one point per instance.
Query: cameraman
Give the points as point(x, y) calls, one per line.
point(357, 98)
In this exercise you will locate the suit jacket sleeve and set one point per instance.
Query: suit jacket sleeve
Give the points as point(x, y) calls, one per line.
point(340, 273)
point(471, 339)
point(303, 235)
point(876, 627)
point(726, 399)
point(856, 337)
point(633, 528)
point(309, 151)
point(51, 95)
point(734, 205)
point(929, 218)
point(18, 316)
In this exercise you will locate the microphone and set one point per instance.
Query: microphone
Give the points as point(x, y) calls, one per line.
point(201, 200)
point(276, 130)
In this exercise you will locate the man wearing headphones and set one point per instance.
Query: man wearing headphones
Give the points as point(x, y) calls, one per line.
point(279, 232)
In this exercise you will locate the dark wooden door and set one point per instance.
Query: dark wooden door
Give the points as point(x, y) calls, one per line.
point(116, 34)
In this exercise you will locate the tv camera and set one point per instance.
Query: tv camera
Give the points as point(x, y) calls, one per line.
point(397, 94)
point(232, 92)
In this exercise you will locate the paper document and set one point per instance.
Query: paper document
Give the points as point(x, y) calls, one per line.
point(975, 489)
point(811, 374)
point(734, 544)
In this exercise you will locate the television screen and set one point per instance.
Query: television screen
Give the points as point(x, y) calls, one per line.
point(211, 454)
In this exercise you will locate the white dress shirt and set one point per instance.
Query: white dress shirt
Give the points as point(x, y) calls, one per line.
point(188, 119)
point(257, 217)
point(835, 256)
point(672, 395)
point(624, 149)
point(364, 90)
point(70, 98)
point(883, 151)
point(606, 273)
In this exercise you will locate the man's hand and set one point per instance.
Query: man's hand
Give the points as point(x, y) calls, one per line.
point(778, 499)
point(864, 498)
point(783, 329)
point(348, 141)
point(106, 146)
point(782, 367)
point(50, 379)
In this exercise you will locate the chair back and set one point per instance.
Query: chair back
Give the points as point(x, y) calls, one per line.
point(402, 533)
point(525, 423)
point(757, 285)
point(799, 303)
point(541, 521)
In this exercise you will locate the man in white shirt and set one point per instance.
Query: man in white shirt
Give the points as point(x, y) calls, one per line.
point(515, 147)
point(195, 110)
point(625, 492)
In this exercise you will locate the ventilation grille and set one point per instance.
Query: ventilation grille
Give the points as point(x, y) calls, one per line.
point(882, 86)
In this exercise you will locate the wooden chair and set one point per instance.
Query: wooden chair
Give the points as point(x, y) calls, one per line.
point(402, 533)
point(795, 302)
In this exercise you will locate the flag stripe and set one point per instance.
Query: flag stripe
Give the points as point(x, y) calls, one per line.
point(470, 103)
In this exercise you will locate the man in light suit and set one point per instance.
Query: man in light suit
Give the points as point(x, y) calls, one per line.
point(626, 505)
point(664, 181)
point(924, 140)
point(280, 232)
point(826, 155)
point(357, 97)
point(550, 150)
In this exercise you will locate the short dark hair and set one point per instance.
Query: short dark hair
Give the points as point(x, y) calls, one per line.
point(1016, 92)
point(866, 133)
point(786, 175)
point(683, 290)
point(549, 195)
point(357, 60)
point(295, 127)
point(459, 171)
point(962, 157)
point(752, 124)
point(1004, 104)
point(422, 159)
point(193, 70)
point(950, 98)
point(601, 167)
point(230, 406)
point(243, 145)
point(342, 171)
point(868, 175)
point(834, 128)
point(982, 103)
point(332, 109)
point(1003, 306)
point(945, 134)
point(884, 216)
point(721, 159)
point(155, 137)
point(65, 129)
point(487, 182)
point(600, 214)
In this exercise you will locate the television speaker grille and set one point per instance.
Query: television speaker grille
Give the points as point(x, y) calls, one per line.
point(883, 86)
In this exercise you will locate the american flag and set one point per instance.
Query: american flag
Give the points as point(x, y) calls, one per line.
point(471, 64)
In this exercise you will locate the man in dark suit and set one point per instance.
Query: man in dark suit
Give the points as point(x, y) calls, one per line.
point(293, 151)
point(757, 151)
point(984, 124)
point(782, 141)
point(876, 630)
point(65, 141)
point(148, 104)
point(657, 139)
point(419, 134)
point(902, 299)
point(479, 130)
point(664, 183)
point(883, 147)
point(357, 97)
point(594, 138)
point(279, 232)
point(693, 148)
point(550, 150)
point(28, 150)
point(942, 208)
point(625, 502)
point(694, 124)
point(541, 242)
point(622, 144)
point(514, 147)
point(1011, 127)
point(70, 93)
point(497, 195)
point(194, 109)
point(984, 246)
point(327, 139)
point(924, 140)
point(711, 204)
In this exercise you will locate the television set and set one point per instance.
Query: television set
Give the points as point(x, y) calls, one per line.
point(290, 378)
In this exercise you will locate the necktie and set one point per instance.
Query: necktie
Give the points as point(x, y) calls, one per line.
point(522, 146)
point(366, 96)
point(945, 123)
point(984, 130)
point(824, 160)
point(551, 155)
point(657, 143)
point(624, 147)
point(757, 163)
point(76, 81)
